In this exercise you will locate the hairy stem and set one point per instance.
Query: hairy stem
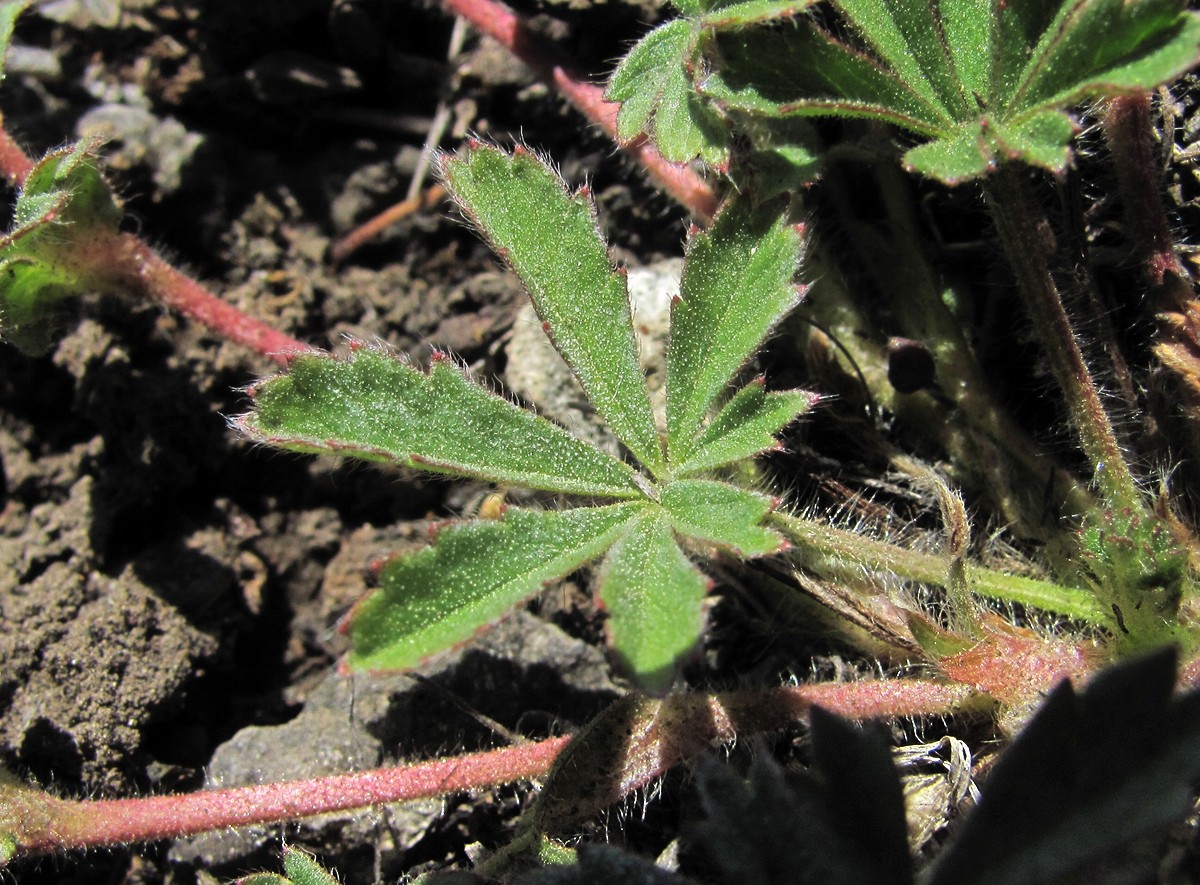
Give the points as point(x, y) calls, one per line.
point(834, 553)
point(39, 823)
point(677, 728)
point(125, 263)
point(510, 30)
point(990, 453)
point(1025, 236)
point(1128, 131)
point(152, 277)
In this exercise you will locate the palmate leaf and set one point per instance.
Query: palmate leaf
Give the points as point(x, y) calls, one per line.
point(550, 238)
point(737, 284)
point(987, 80)
point(473, 574)
point(376, 407)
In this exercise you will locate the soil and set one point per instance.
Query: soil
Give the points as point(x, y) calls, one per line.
point(169, 593)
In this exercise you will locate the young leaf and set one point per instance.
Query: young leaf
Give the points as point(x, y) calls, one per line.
point(654, 598)
point(64, 209)
point(721, 514)
point(302, 868)
point(473, 574)
point(737, 284)
point(745, 427)
point(376, 407)
point(550, 239)
point(654, 85)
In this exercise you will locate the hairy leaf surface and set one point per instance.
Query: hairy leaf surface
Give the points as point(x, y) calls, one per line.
point(654, 598)
point(376, 407)
point(746, 426)
point(473, 574)
point(550, 238)
point(721, 514)
point(737, 284)
point(988, 81)
point(654, 85)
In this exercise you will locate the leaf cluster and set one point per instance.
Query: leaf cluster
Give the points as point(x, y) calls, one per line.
point(672, 506)
point(985, 81)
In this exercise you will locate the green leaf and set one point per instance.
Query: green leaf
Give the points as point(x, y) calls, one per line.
point(805, 72)
point(1015, 29)
point(473, 574)
point(654, 85)
point(551, 240)
point(907, 38)
point(1104, 46)
point(988, 80)
point(375, 407)
point(721, 514)
point(10, 10)
point(745, 427)
point(64, 211)
point(975, 148)
point(1040, 139)
point(737, 284)
point(966, 31)
point(302, 868)
point(753, 12)
point(654, 598)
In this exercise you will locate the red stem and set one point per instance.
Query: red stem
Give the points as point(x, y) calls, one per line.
point(119, 821)
point(684, 726)
point(148, 274)
point(509, 29)
point(1128, 129)
point(129, 263)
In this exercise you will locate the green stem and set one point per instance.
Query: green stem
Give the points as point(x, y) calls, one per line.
point(837, 553)
point(1025, 235)
point(992, 456)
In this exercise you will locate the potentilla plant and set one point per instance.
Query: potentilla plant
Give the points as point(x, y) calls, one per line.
point(673, 506)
